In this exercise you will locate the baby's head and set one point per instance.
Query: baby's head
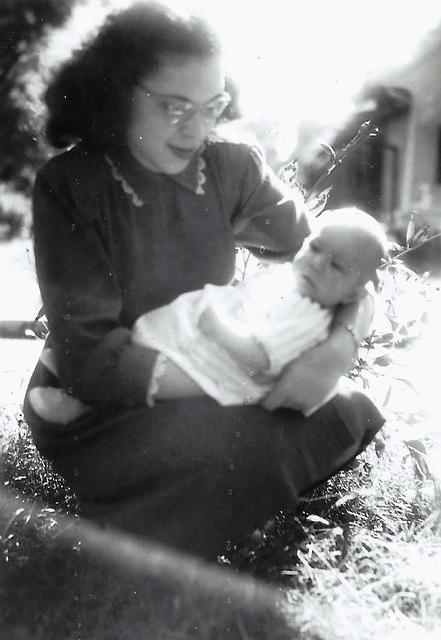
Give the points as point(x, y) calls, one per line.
point(341, 255)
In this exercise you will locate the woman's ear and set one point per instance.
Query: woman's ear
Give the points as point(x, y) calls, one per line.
point(376, 280)
point(233, 111)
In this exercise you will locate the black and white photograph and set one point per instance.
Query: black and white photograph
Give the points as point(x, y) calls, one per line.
point(220, 286)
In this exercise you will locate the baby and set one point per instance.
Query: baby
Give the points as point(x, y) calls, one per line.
point(234, 341)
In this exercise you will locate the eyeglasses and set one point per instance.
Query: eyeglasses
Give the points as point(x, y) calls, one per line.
point(178, 110)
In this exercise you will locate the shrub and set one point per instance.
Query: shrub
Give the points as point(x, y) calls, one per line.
point(15, 213)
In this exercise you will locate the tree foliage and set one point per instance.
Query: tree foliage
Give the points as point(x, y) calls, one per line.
point(23, 23)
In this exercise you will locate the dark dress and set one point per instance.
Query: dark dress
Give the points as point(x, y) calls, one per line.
point(114, 240)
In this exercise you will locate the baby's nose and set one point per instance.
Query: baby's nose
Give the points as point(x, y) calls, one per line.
point(194, 128)
point(317, 260)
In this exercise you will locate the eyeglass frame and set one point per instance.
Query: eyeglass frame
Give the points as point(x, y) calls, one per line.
point(193, 107)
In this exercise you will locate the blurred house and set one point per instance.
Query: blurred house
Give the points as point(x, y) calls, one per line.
point(399, 171)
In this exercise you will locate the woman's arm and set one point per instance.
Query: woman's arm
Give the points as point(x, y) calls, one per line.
point(95, 357)
point(312, 376)
point(173, 382)
point(268, 217)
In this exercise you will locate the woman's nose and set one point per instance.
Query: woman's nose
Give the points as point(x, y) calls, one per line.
point(194, 128)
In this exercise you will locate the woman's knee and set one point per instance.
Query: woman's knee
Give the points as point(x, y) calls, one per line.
point(316, 447)
point(361, 416)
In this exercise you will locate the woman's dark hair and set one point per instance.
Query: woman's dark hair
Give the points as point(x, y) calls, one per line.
point(90, 96)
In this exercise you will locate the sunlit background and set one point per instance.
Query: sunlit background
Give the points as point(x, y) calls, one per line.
point(296, 61)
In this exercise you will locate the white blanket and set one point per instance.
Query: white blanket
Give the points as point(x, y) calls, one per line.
point(282, 321)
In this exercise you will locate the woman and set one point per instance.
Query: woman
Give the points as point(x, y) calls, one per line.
point(146, 205)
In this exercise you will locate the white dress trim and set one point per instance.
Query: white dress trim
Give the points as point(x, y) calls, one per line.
point(137, 201)
point(157, 373)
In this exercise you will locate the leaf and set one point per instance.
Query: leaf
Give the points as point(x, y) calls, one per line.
point(379, 444)
point(317, 204)
point(410, 233)
point(346, 498)
point(382, 361)
point(288, 173)
point(328, 150)
point(395, 246)
point(421, 235)
point(385, 338)
point(415, 445)
point(407, 382)
point(387, 398)
point(421, 468)
point(39, 327)
point(40, 314)
point(417, 452)
point(367, 130)
point(317, 519)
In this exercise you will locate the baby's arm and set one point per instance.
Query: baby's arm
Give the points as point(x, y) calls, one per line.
point(239, 343)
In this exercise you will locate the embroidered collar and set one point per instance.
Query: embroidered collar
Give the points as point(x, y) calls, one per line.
point(193, 177)
point(130, 174)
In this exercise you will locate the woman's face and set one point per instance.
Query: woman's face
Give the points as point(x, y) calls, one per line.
point(157, 139)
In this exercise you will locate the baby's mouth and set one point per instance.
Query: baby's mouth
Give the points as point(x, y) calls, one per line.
point(306, 278)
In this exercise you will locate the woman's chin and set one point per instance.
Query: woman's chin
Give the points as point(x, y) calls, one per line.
point(174, 166)
point(173, 169)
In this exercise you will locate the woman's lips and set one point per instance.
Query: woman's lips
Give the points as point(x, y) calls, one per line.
point(182, 154)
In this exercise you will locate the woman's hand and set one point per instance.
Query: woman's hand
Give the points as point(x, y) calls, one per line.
point(358, 315)
point(307, 380)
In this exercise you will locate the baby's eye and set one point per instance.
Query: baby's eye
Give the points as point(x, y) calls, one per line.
point(336, 265)
point(313, 247)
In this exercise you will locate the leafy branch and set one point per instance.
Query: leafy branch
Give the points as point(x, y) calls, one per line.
point(367, 130)
point(315, 199)
point(413, 241)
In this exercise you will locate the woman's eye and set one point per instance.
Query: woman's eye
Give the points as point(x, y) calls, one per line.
point(335, 265)
point(174, 108)
point(211, 111)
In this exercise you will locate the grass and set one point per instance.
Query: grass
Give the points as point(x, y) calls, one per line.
point(360, 557)
point(360, 554)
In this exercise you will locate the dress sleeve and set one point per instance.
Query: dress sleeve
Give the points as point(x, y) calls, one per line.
point(270, 217)
point(95, 358)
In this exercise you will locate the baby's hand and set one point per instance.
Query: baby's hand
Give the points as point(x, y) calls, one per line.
point(229, 335)
point(209, 322)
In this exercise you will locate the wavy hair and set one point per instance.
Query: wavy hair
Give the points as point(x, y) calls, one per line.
point(89, 98)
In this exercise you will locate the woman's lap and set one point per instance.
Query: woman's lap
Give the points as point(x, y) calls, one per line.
point(193, 474)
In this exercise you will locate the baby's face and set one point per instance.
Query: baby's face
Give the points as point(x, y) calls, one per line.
point(334, 263)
